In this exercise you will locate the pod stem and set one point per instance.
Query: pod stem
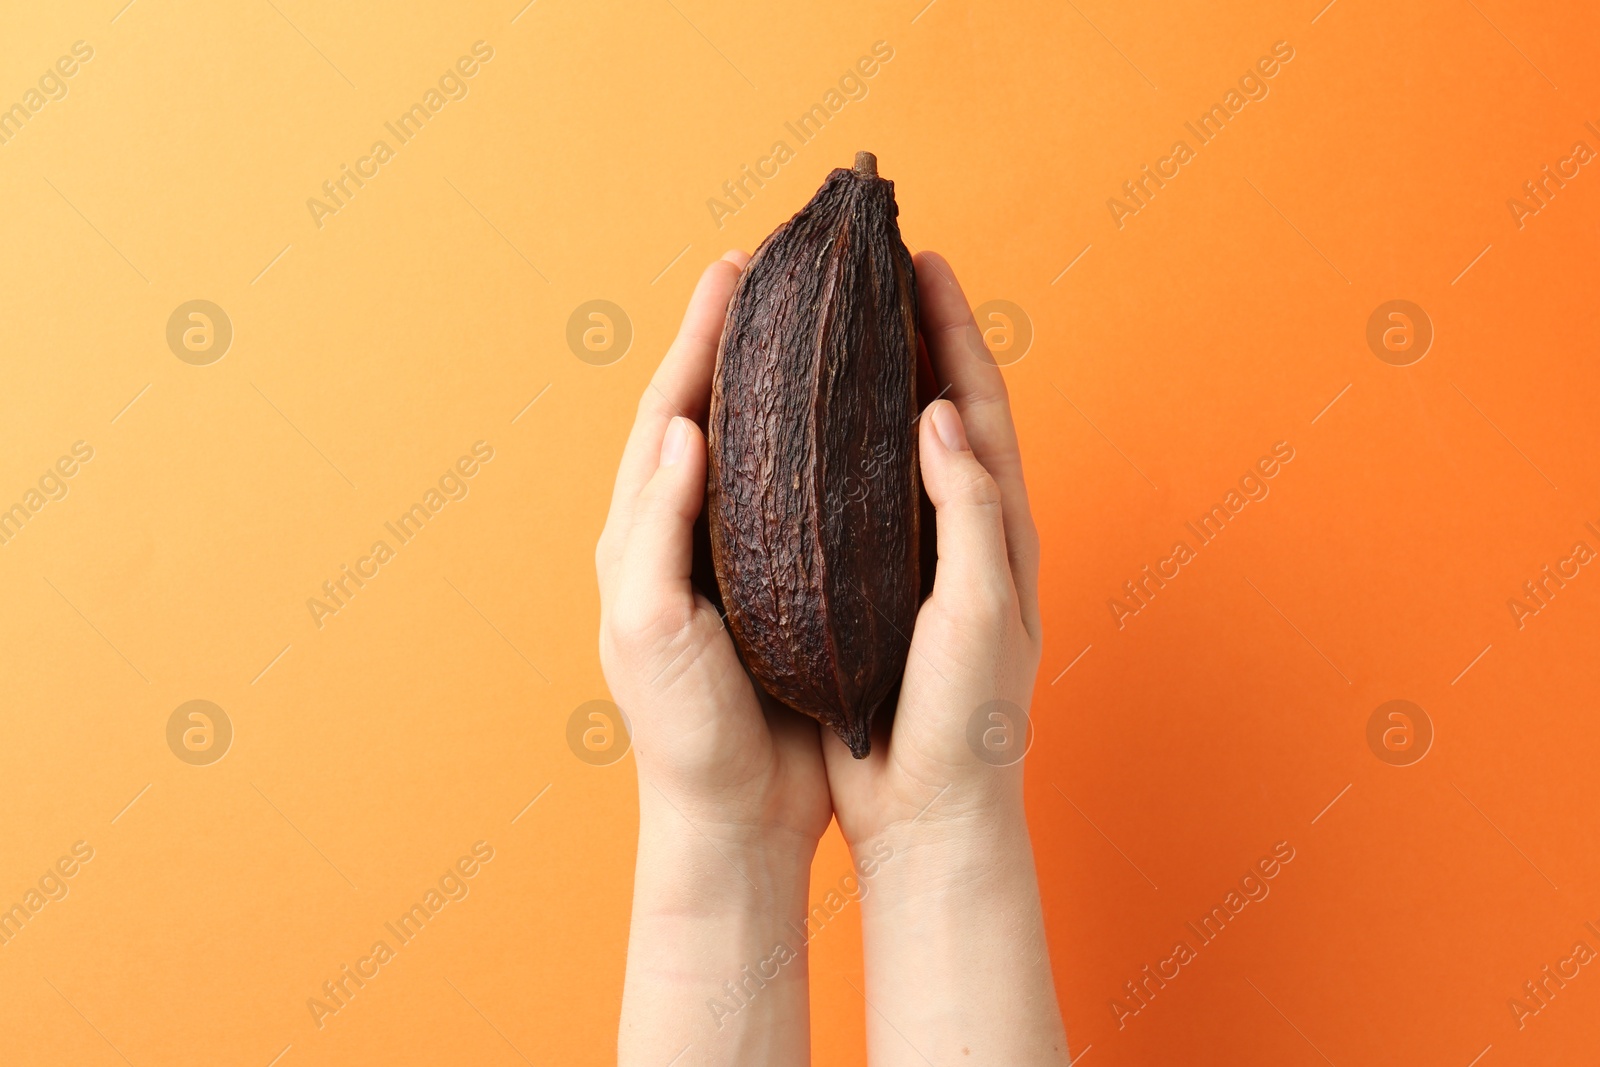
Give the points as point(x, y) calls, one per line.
point(866, 164)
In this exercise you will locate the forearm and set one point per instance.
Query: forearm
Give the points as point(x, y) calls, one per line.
point(957, 967)
point(713, 964)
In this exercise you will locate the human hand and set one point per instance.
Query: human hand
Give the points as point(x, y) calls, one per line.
point(718, 768)
point(977, 637)
point(733, 796)
point(734, 770)
point(956, 960)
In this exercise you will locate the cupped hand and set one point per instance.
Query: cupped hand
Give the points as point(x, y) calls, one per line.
point(975, 647)
point(742, 773)
point(728, 761)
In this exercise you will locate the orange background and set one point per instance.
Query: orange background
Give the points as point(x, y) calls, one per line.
point(368, 354)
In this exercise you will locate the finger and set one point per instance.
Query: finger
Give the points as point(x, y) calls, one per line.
point(681, 383)
point(974, 567)
point(659, 552)
point(962, 363)
point(681, 386)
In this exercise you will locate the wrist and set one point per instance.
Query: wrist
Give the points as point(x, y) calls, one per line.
point(679, 819)
point(956, 827)
point(954, 941)
point(947, 864)
point(714, 960)
point(689, 865)
point(707, 913)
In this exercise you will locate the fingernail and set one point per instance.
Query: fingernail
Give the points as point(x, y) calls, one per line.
point(672, 444)
point(947, 423)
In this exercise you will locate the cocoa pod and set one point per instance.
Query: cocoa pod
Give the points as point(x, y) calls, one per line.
point(814, 489)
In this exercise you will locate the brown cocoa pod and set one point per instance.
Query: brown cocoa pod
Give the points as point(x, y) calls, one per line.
point(814, 488)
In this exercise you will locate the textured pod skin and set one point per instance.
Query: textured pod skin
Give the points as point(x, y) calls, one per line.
point(814, 487)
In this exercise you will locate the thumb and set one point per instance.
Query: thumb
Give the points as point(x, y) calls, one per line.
point(974, 570)
point(660, 547)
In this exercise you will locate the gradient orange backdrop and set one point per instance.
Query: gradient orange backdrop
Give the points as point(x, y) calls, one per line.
point(373, 346)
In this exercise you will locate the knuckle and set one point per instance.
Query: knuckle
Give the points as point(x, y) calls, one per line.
point(1024, 552)
point(654, 510)
point(977, 487)
point(638, 626)
point(977, 400)
point(646, 510)
point(960, 330)
point(987, 603)
point(650, 404)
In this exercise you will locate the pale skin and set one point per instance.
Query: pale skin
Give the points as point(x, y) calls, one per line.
point(734, 793)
